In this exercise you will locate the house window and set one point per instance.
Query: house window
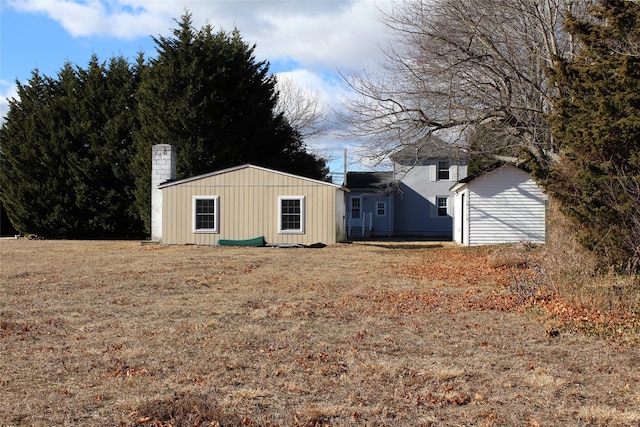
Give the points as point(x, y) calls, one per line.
point(205, 214)
point(381, 208)
point(291, 214)
point(443, 171)
point(442, 203)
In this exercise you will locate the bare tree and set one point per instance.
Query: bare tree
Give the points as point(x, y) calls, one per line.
point(629, 198)
point(458, 65)
point(302, 108)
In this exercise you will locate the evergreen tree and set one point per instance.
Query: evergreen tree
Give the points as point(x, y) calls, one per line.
point(597, 125)
point(75, 149)
point(23, 152)
point(206, 94)
point(65, 151)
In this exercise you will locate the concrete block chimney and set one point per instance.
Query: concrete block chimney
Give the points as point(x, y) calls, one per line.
point(163, 169)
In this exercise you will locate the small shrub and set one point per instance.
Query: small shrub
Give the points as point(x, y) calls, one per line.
point(183, 410)
point(527, 282)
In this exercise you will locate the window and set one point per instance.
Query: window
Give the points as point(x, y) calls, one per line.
point(443, 171)
point(381, 208)
point(442, 203)
point(291, 214)
point(205, 214)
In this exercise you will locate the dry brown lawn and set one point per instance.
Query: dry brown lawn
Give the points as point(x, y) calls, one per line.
point(115, 333)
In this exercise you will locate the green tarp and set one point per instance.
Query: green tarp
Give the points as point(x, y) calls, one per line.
point(256, 241)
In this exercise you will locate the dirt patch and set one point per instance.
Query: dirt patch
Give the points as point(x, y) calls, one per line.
point(114, 333)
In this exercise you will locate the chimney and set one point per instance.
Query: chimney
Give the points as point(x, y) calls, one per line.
point(163, 169)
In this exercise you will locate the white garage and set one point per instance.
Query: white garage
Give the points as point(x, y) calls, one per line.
point(501, 205)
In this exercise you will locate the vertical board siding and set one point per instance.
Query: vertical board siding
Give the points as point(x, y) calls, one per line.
point(248, 207)
point(505, 205)
point(340, 208)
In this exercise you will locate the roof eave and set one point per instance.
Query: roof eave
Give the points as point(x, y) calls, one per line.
point(236, 168)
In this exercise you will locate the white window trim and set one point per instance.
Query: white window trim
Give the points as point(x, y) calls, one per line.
point(384, 208)
point(302, 215)
point(216, 214)
point(438, 207)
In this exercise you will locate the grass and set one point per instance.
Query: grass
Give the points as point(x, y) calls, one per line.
point(114, 333)
point(582, 296)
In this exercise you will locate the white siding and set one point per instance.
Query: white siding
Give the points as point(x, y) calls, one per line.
point(504, 206)
point(461, 212)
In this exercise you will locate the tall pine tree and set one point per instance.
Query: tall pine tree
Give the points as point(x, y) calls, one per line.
point(65, 150)
point(206, 93)
point(75, 149)
point(597, 124)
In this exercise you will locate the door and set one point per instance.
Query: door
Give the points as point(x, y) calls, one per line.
point(462, 220)
point(355, 207)
point(381, 218)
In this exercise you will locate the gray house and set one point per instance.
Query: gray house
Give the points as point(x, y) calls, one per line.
point(412, 200)
point(370, 204)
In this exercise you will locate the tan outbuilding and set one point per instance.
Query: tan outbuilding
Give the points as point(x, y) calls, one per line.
point(248, 201)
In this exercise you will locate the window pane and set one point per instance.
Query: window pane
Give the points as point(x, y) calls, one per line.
point(205, 214)
point(380, 211)
point(442, 206)
point(205, 206)
point(291, 206)
point(443, 170)
point(291, 217)
point(204, 221)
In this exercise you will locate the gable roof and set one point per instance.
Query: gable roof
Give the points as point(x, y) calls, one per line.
point(429, 148)
point(372, 181)
point(241, 167)
point(498, 165)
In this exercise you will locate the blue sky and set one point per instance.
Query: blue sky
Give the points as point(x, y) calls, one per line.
point(309, 40)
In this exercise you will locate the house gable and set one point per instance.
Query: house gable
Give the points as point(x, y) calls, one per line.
point(239, 168)
point(424, 206)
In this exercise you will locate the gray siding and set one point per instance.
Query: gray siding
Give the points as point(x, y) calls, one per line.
point(416, 212)
point(382, 224)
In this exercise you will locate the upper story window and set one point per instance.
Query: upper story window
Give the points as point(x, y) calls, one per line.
point(443, 171)
point(205, 214)
point(291, 214)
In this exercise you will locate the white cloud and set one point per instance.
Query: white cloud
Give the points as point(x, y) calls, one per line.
point(319, 37)
point(329, 88)
point(344, 40)
point(7, 91)
point(329, 92)
point(325, 33)
point(96, 18)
